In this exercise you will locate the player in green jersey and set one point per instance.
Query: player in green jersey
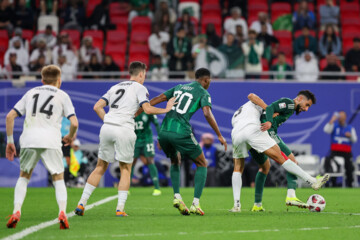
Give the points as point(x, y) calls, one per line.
point(277, 112)
point(144, 147)
point(176, 137)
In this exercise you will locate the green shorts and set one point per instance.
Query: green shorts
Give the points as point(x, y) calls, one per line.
point(145, 149)
point(172, 143)
point(260, 158)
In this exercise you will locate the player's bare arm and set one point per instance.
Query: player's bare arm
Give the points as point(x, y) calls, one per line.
point(149, 109)
point(99, 108)
point(212, 122)
point(257, 100)
point(153, 102)
point(74, 124)
point(10, 147)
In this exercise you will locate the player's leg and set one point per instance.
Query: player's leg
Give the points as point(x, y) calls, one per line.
point(123, 188)
point(236, 180)
point(154, 174)
point(137, 151)
point(200, 180)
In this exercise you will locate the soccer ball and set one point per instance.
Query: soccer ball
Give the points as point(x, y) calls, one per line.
point(316, 203)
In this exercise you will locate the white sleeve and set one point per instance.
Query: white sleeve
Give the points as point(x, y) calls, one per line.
point(353, 135)
point(152, 43)
point(142, 95)
point(20, 106)
point(329, 128)
point(68, 107)
point(106, 97)
point(34, 55)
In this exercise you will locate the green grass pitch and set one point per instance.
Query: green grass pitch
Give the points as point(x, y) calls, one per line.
point(155, 218)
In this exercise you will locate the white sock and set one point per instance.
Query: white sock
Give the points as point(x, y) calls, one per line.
point(291, 193)
point(122, 196)
point(291, 167)
point(177, 196)
point(61, 194)
point(196, 201)
point(258, 204)
point(20, 193)
point(88, 190)
point(236, 186)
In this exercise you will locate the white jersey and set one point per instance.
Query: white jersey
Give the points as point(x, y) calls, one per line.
point(249, 113)
point(44, 108)
point(124, 99)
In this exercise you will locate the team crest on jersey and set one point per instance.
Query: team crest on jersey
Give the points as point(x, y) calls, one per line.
point(291, 106)
point(144, 118)
point(282, 105)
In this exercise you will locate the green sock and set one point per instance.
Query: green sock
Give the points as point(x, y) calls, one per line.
point(291, 181)
point(200, 180)
point(132, 172)
point(154, 175)
point(259, 186)
point(175, 177)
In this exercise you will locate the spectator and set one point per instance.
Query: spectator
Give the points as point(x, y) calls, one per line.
point(303, 17)
point(156, 39)
point(165, 25)
point(67, 69)
point(262, 19)
point(305, 42)
point(140, 8)
point(212, 38)
point(239, 36)
point(12, 65)
point(110, 66)
point(306, 67)
point(6, 16)
point(41, 50)
point(22, 56)
point(74, 16)
point(81, 161)
point(93, 66)
point(332, 66)
point(329, 14)
point(270, 43)
point(329, 42)
point(163, 8)
point(233, 52)
point(24, 42)
point(343, 135)
point(185, 23)
point(159, 71)
point(280, 67)
point(23, 16)
point(179, 50)
point(48, 35)
point(352, 57)
point(100, 18)
point(38, 64)
point(235, 20)
point(211, 156)
point(65, 48)
point(253, 51)
point(65, 128)
point(87, 50)
point(48, 7)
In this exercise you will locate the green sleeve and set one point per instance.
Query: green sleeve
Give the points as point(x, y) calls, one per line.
point(279, 120)
point(205, 100)
point(283, 106)
point(155, 120)
point(169, 93)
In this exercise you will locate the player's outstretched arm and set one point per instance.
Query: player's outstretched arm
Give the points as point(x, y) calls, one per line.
point(257, 100)
point(74, 125)
point(153, 102)
point(10, 146)
point(212, 122)
point(148, 109)
point(99, 108)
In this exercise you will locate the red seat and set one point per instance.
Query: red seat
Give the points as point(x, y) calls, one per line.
point(140, 37)
point(27, 34)
point(116, 36)
point(254, 9)
point(139, 57)
point(138, 48)
point(349, 7)
point(118, 9)
point(351, 21)
point(211, 9)
point(90, 6)
point(195, 1)
point(143, 23)
point(347, 44)
point(210, 1)
point(252, 19)
point(265, 68)
point(113, 48)
point(283, 36)
point(287, 49)
point(98, 38)
point(119, 59)
point(74, 37)
point(121, 22)
point(298, 33)
point(214, 19)
point(350, 32)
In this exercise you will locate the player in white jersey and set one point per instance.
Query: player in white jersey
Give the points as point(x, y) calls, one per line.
point(43, 107)
point(246, 134)
point(117, 135)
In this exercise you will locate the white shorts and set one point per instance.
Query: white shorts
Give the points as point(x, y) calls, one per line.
point(116, 143)
point(51, 158)
point(250, 137)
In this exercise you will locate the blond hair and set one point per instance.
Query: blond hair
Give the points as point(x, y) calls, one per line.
point(50, 74)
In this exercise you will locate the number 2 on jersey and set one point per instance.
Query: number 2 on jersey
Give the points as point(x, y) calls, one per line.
point(121, 92)
point(42, 109)
point(180, 96)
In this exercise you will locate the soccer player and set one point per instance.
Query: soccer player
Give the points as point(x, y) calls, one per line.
point(176, 135)
point(284, 108)
point(44, 108)
point(117, 134)
point(249, 133)
point(144, 147)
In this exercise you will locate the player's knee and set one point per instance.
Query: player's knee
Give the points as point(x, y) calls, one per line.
point(25, 174)
point(57, 177)
point(149, 161)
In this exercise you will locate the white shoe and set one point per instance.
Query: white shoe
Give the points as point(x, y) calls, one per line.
point(320, 181)
point(235, 209)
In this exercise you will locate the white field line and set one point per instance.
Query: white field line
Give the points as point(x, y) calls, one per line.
point(132, 235)
point(43, 225)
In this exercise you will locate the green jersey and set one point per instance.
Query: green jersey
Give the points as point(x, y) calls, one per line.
point(284, 106)
point(143, 129)
point(189, 97)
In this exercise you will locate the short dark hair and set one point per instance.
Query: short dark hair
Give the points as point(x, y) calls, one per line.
point(309, 95)
point(356, 39)
point(202, 72)
point(135, 68)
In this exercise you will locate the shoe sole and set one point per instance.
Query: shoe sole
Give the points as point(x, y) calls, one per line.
point(296, 205)
point(79, 212)
point(323, 181)
point(63, 225)
point(12, 224)
point(184, 212)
